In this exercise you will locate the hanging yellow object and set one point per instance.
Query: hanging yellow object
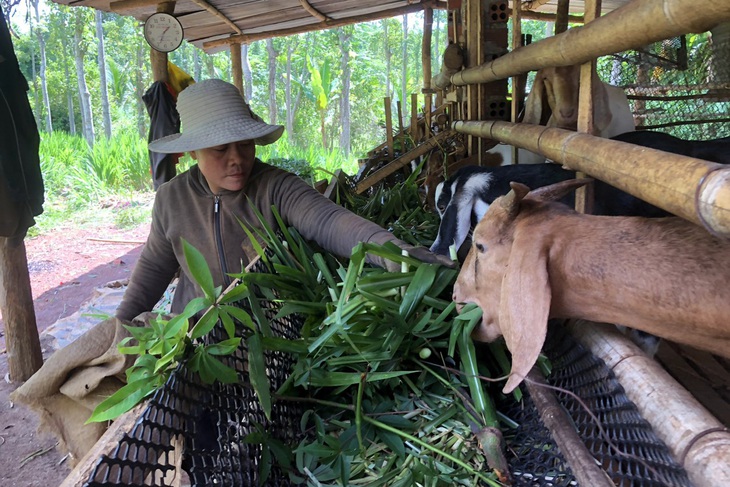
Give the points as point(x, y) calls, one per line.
point(178, 79)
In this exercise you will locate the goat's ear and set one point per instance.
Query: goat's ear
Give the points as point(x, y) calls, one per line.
point(523, 310)
point(556, 191)
point(535, 102)
point(601, 108)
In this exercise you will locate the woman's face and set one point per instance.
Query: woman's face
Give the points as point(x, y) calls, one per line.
point(226, 166)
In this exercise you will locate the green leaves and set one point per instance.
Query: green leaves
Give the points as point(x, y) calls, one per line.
point(163, 345)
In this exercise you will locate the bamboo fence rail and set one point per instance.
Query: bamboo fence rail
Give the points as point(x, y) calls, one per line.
point(694, 189)
point(637, 23)
point(699, 442)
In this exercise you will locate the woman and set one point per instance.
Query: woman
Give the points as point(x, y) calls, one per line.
point(206, 205)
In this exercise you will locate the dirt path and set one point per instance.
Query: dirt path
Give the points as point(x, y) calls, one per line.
point(65, 267)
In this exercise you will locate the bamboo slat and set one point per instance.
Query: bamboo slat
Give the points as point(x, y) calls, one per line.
point(699, 442)
point(637, 23)
point(694, 189)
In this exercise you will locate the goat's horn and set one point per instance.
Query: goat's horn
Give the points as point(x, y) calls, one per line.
point(556, 191)
point(511, 201)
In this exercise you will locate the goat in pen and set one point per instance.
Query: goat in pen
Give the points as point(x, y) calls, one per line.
point(533, 258)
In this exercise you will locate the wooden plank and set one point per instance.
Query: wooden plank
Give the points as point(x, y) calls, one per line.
point(406, 158)
point(389, 127)
point(16, 302)
point(108, 442)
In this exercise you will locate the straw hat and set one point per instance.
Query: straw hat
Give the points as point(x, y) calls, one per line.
point(213, 112)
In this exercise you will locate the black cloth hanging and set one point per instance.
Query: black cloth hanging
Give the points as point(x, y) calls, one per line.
point(164, 120)
point(21, 182)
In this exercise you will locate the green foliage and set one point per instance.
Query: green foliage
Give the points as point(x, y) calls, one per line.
point(380, 409)
point(162, 346)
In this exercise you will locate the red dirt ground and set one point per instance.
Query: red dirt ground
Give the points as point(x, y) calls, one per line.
point(65, 267)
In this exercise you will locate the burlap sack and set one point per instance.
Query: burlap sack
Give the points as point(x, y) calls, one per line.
point(74, 380)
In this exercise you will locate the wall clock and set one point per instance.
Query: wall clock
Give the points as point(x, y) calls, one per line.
point(163, 32)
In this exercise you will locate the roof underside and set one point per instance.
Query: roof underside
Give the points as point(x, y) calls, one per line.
point(212, 24)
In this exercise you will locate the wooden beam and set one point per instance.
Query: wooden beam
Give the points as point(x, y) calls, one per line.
point(16, 302)
point(547, 17)
point(406, 158)
point(640, 22)
point(124, 5)
point(426, 47)
point(313, 11)
point(218, 14)
point(518, 87)
point(561, 16)
point(694, 189)
point(389, 127)
point(237, 67)
point(327, 24)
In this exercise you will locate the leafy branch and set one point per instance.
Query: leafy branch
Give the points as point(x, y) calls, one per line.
point(165, 343)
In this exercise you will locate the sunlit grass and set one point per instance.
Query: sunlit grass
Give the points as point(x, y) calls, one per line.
point(111, 182)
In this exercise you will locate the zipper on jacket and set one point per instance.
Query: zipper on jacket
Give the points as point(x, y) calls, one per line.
point(219, 240)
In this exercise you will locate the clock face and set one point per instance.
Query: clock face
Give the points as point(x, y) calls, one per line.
point(163, 32)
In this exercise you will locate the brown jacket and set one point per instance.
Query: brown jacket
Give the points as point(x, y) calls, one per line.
point(186, 208)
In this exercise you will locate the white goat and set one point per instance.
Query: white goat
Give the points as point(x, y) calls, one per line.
point(533, 259)
point(553, 102)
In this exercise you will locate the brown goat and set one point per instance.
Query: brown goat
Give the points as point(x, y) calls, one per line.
point(533, 259)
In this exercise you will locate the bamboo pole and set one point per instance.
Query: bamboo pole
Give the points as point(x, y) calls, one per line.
point(698, 441)
point(561, 16)
point(393, 166)
point(16, 302)
point(694, 189)
point(584, 196)
point(561, 427)
point(636, 23)
point(426, 48)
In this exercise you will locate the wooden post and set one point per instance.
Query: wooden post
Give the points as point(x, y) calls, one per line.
point(237, 67)
point(517, 85)
point(16, 302)
point(473, 59)
point(158, 59)
point(584, 196)
point(414, 118)
point(426, 47)
point(401, 133)
point(389, 128)
point(561, 16)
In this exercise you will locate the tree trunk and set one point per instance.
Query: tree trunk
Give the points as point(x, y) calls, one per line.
point(272, 79)
point(197, 65)
point(287, 88)
point(386, 48)
point(102, 77)
point(404, 67)
point(33, 75)
point(44, 85)
point(345, 36)
point(69, 91)
point(139, 90)
point(247, 75)
point(87, 121)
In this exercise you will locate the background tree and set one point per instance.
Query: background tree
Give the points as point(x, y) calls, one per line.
point(102, 75)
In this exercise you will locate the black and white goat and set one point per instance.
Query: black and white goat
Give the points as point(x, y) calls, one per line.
point(464, 198)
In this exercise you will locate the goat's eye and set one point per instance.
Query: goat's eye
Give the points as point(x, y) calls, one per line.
point(441, 208)
point(480, 247)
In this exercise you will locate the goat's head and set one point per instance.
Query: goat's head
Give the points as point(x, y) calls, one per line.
point(553, 100)
point(506, 273)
